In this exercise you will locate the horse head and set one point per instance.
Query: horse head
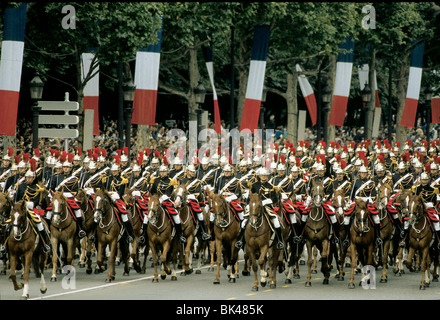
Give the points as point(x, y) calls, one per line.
point(416, 209)
point(153, 209)
point(219, 208)
point(338, 202)
point(383, 195)
point(317, 194)
point(59, 206)
point(5, 206)
point(18, 217)
point(102, 204)
point(403, 199)
point(361, 215)
point(255, 209)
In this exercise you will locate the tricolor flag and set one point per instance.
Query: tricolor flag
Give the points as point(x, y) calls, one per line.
point(344, 67)
point(146, 80)
point(309, 95)
point(91, 89)
point(10, 67)
point(254, 89)
point(413, 90)
point(207, 52)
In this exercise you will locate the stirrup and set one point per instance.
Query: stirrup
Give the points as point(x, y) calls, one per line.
point(280, 245)
point(206, 236)
point(379, 241)
point(46, 248)
point(346, 243)
point(239, 244)
point(81, 234)
point(297, 239)
point(2, 249)
point(182, 239)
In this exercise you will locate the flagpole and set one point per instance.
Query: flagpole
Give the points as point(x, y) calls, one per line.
point(232, 97)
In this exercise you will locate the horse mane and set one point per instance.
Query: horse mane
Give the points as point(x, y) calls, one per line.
point(361, 203)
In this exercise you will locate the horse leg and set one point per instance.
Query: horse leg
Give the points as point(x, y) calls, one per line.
point(386, 248)
point(212, 246)
point(315, 261)
point(89, 256)
point(100, 258)
point(55, 245)
point(42, 263)
point(424, 263)
point(163, 260)
point(26, 273)
point(353, 250)
point(82, 259)
point(262, 263)
point(409, 261)
point(325, 268)
point(13, 272)
point(134, 256)
point(309, 264)
point(188, 254)
point(218, 246)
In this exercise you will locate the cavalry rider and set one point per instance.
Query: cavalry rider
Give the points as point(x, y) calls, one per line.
point(269, 197)
point(31, 193)
point(365, 188)
point(163, 187)
point(177, 173)
point(69, 187)
point(285, 184)
point(194, 188)
point(229, 187)
point(116, 185)
point(341, 183)
point(301, 194)
point(140, 185)
point(431, 197)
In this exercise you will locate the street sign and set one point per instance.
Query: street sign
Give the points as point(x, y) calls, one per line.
point(58, 133)
point(58, 119)
point(58, 105)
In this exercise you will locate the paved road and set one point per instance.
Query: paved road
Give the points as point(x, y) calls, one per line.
point(198, 287)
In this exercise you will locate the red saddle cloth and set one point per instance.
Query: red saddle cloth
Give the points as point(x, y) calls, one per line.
point(194, 205)
point(236, 206)
point(169, 207)
point(72, 204)
point(143, 204)
point(121, 206)
point(38, 212)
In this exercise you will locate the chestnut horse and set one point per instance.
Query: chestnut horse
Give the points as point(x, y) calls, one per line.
point(362, 238)
point(24, 243)
point(317, 231)
point(63, 230)
point(159, 231)
point(107, 233)
point(226, 228)
point(87, 206)
point(420, 237)
point(6, 204)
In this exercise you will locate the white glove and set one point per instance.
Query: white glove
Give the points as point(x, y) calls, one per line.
point(163, 198)
point(245, 194)
point(192, 197)
point(136, 193)
point(29, 205)
point(68, 194)
point(89, 191)
point(115, 196)
point(231, 197)
point(265, 202)
point(283, 196)
point(298, 197)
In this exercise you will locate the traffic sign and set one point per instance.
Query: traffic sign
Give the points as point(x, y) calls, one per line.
point(58, 119)
point(58, 105)
point(58, 133)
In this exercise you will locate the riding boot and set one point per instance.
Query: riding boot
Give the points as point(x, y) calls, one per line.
point(279, 236)
point(299, 231)
point(182, 239)
point(240, 238)
point(211, 228)
point(205, 235)
point(45, 237)
point(80, 222)
point(6, 235)
point(437, 238)
point(403, 235)
point(144, 236)
point(377, 231)
point(336, 236)
point(130, 232)
point(346, 242)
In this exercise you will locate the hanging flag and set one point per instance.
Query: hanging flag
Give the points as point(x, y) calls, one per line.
point(254, 89)
point(10, 67)
point(413, 91)
point(146, 80)
point(207, 52)
point(308, 94)
point(91, 89)
point(344, 67)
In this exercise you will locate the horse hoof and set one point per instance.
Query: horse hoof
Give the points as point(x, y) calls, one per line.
point(232, 280)
point(435, 280)
point(308, 284)
point(183, 273)
point(173, 278)
point(255, 288)
point(422, 287)
point(314, 272)
point(287, 281)
point(302, 263)
point(3, 273)
point(325, 281)
point(272, 286)
point(263, 284)
point(126, 274)
point(108, 280)
point(163, 276)
point(189, 271)
point(216, 281)
point(198, 272)
point(89, 271)
point(351, 286)
point(383, 280)
point(155, 280)
point(25, 297)
point(53, 279)
point(211, 269)
point(43, 291)
point(245, 273)
point(340, 278)
point(82, 265)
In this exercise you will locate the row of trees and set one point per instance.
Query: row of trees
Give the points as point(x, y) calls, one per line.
point(307, 33)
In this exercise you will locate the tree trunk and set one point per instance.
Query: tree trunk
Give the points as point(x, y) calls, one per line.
point(292, 107)
point(331, 129)
point(242, 84)
point(371, 105)
point(401, 132)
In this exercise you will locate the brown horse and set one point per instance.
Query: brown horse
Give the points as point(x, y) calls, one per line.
point(317, 231)
point(63, 230)
point(420, 236)
point(257, 236)
point(339, 202)
point(226, 228)
point(362, 238)
point(189, 222)
point(6, 204)
point(23, 242)
point(159, 232)
point(387, 230)
point(135, 214)
point(87, 243)
point(107, 233)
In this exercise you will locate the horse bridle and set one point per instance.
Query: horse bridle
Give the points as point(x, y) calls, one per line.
point(19, 226)
point(100, 212)
point(222, 223)
point(62, 205)
point(364, 219)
